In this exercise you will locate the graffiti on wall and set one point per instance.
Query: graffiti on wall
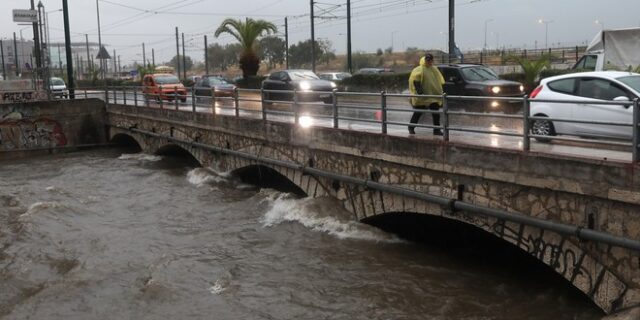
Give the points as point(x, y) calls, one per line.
point(18, 132)
point(21, 96)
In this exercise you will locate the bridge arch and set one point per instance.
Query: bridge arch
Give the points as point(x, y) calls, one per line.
point(127, 141)
point(572, 261)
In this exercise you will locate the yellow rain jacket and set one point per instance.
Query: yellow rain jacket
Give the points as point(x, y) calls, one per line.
point(431, 80)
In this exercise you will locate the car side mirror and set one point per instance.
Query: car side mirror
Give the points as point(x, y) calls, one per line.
point(621, 98)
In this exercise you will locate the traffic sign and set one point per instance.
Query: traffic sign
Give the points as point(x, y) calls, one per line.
point(20, 15)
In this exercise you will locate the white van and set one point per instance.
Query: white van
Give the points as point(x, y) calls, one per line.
point(58, 88)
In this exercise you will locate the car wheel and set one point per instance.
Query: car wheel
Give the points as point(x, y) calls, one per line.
point(183, 100)
point(542, 128)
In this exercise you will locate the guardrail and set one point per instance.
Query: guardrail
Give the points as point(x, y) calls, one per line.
point(372, 109)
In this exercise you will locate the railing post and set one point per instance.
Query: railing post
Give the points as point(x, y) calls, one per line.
point(124, 95)
point(135, 96)
point(636, 129)
point(526, 113)
point(175, 97)
point(264, 112)
point(193, 99)
point(383, 111)
point(160, 98)
point(85, 93)
point(296, 107)
point(445, 117)
point(106, 95)
point(334, 103)
point(115, 95)
point(236, 102)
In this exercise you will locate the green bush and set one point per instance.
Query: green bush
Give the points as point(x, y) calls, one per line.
point(393, 82)
point(252, 82)
point(514, 76)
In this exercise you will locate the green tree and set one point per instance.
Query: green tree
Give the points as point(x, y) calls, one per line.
point(188, 63)
point(531, 69)
point(300, 53)
point(272, 50)
point(223, 57)
point(247, 33)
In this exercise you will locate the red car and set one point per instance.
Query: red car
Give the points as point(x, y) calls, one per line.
point(163, 86)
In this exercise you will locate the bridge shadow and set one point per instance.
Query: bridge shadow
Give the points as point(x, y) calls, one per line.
point(469, 245)
point(265, 177)
point(126, 143)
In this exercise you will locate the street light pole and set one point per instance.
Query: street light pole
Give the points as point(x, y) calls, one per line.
point(546, 31)
point(486, 22)
point(392, 33)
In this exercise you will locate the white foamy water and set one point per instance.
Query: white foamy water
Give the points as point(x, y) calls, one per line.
point(140, 157)
point(322, 215)
point(201, 176)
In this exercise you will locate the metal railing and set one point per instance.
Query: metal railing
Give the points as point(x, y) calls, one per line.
point(370, 111)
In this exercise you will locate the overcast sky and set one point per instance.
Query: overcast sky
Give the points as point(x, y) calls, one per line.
point(126, 24)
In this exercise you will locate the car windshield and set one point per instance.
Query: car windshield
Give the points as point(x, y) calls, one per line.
point(631, 81)
point(341, 76)
point(302, 75)
point(479, 74)
point(168, 79)
point(57, 82)
point(217, 81)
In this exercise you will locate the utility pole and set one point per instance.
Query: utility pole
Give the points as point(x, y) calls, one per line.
point(184, 60)
point(36, 39)
point(286, 42)
point(15, 53)
point(4, 70)
point(100, 41)
point(349, 62)
point(144, 56)
point(153, 57)
point(206, 55)
point(115, 62)
point(60, 61)
point(67, 44)
point(452, 29)
point(119, 65)
point(178, 52)
point(86, 40)
point(313, 41)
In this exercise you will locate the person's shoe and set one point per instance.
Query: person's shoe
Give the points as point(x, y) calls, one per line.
point(437, 132)
point(412, 131)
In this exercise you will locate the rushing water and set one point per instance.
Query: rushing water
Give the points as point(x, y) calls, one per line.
point(102, 235)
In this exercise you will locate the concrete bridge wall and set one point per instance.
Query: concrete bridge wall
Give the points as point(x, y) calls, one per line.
point(600, 195)
point(44, 127)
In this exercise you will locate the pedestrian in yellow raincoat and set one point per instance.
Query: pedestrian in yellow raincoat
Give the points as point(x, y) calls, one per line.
point(426, 79)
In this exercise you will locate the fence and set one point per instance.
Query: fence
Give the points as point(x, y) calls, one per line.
point(375, 112)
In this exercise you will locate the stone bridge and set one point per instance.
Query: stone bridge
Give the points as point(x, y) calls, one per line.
point(598, 196)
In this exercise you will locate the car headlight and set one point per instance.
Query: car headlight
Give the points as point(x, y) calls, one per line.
point(521, 88)
point(495, 90)
point(305, 86)
point(333, 85)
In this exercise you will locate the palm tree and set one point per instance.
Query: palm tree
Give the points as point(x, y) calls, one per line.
point(247, 33)
point(532, 69)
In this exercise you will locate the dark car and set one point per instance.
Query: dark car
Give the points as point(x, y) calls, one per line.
point(216, 84)
point(307, 83)
point(478, 80)
point(374, 71)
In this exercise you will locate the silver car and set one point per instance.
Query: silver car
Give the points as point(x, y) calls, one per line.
point(584, 91)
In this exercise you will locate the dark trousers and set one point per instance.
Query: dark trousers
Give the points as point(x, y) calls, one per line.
point(435, 116)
